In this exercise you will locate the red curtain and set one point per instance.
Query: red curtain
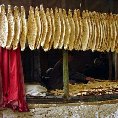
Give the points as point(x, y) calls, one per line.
point(12, 94)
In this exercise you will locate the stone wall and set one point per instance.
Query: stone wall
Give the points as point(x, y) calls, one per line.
point(107, 109)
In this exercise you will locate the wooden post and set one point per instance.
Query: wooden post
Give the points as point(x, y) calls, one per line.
point(65, 74)
point(110, 53)
point(65, 66)
point(110, 65)
point(116, 66)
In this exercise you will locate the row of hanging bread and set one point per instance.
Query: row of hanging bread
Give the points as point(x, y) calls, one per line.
point(58, 29)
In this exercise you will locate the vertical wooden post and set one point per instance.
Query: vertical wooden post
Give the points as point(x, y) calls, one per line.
point(110, 2)
point(65, 66)
point(116, 66)
point(110, 66)
point(65, 74)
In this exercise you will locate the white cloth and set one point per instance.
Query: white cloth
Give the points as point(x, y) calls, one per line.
point(35, 90)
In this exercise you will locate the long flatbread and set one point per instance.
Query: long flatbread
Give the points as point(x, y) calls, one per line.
point(11, 27)
point(61, 43)
point(3, 27)
point(32, 29)
point(85, 35)
point(72, 34)
point(53, 28)
point(57, 29)
point(49, 33)
point(24, 29)
point(44, 25)
point(67, 30)
point(38, 23)
point(77, 28)
point(17, 21)
point(79, 40)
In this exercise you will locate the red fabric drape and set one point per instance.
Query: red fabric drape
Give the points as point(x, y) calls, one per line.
point(12, 85)
point(1, 91)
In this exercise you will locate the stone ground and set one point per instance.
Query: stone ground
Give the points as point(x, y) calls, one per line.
point(107, 109)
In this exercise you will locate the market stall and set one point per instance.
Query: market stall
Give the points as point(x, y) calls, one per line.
point(56, 25)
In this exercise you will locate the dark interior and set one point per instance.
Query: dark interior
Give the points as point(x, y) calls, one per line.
point(35, 63)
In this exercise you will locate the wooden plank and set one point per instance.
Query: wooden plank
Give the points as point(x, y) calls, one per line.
point(61, 100)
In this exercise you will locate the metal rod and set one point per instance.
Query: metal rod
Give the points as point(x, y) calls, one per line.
point(65, 74)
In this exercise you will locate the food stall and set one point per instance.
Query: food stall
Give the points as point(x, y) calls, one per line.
point(41, 28)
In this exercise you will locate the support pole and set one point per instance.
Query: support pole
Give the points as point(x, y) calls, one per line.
point(65, 74)
point(116, 66)
point(65, 66)
point(110, 66)
point(110, 3)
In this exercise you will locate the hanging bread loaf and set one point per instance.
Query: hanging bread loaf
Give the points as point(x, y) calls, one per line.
point(53, 28)
point(96, 19)
point(3, 27)
point(77, 28)
point(107, 32)
point(116, 42)
point(61, 43)
point(116, 30)
point(72, 34)
point(110, 32)
point(89, 26)
point(94, 34)
point(114, 35)
point(67, 30)
point(101, 33)
point(107, 35)
point(11, 30)
point(57, 29)
point(90, 30)
point(44, 25)
point(49, 33)
point(79, 40)
point(104, 30)
point(91, 37)
point(75, 18)
point(32, 29)
point(85, 35)
point(17, 28)
point(24, 29)
point(102, 36)
point(38, 23)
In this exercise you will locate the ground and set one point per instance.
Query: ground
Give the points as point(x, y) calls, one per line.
point(107, 109)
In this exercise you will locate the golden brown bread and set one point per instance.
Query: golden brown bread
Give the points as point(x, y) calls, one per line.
point(11, 30)
point(3, 27)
